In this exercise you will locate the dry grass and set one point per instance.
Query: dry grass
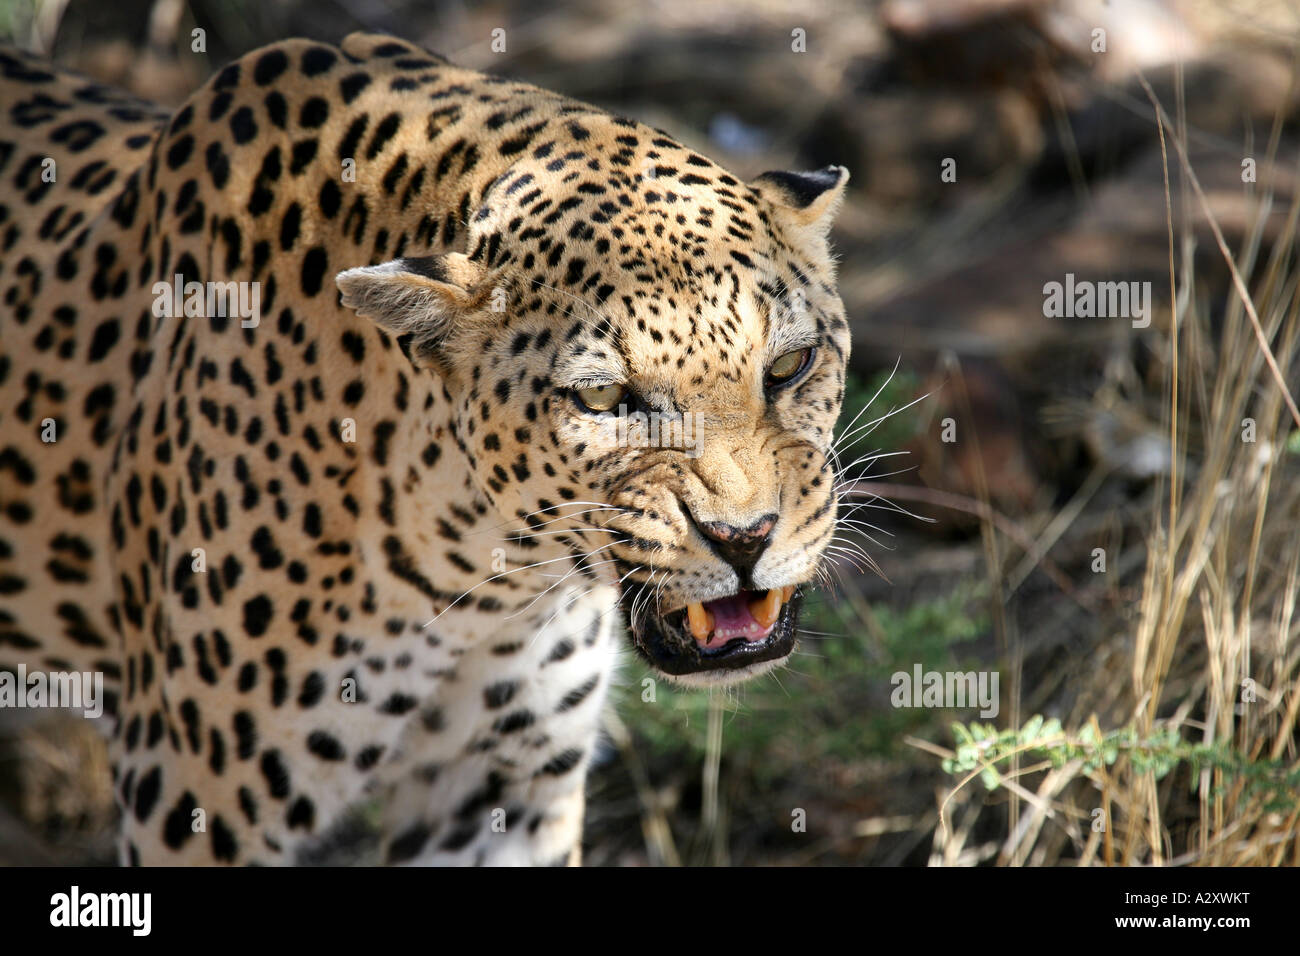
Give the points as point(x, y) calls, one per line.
point(1209, 655)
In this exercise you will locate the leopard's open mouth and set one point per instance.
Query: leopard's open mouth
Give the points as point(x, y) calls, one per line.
point(726, 634)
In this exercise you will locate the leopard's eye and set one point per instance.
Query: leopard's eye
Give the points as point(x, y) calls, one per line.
point(788, 366)
point(602, 398)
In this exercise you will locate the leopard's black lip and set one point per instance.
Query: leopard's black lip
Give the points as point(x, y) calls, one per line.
point(664, 641)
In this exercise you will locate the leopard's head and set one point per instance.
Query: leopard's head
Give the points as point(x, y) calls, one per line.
point(648, 369)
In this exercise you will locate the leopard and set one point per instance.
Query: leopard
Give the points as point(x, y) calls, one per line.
point(524, 390)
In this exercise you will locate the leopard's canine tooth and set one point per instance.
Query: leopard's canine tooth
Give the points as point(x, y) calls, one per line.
point(701, 621)
point(767, 608)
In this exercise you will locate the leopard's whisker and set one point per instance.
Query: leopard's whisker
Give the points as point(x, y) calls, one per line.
point(873, 497)
point(543, 534)
point(526, 567)
point(866, 428)
point(866, 459)
point(598, 507)
point(835, 446)
point(578, 563)
point(847, 483)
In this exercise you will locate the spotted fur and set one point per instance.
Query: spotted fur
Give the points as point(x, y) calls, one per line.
point(499, 247)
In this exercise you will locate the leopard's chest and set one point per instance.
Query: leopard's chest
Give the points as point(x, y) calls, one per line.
point(500, 722)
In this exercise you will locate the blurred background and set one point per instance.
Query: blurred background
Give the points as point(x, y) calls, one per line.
point(1074, 503)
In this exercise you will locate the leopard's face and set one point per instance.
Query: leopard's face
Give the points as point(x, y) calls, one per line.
point(710, 461)
point(661, 402)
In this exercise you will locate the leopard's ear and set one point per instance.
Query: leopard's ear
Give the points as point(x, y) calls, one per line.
point(806, 201)
point(419, 300)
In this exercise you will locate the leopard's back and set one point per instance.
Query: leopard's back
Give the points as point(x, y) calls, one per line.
point(71, 155)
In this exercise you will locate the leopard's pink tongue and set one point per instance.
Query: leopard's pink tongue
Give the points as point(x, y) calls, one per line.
point(733, 618)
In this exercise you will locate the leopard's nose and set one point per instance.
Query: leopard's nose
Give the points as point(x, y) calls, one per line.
point(739, 547)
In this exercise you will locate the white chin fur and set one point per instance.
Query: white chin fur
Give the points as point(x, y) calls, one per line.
point(725, 678)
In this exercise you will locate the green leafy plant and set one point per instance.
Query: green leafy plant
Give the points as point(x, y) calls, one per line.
point(985, 749)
